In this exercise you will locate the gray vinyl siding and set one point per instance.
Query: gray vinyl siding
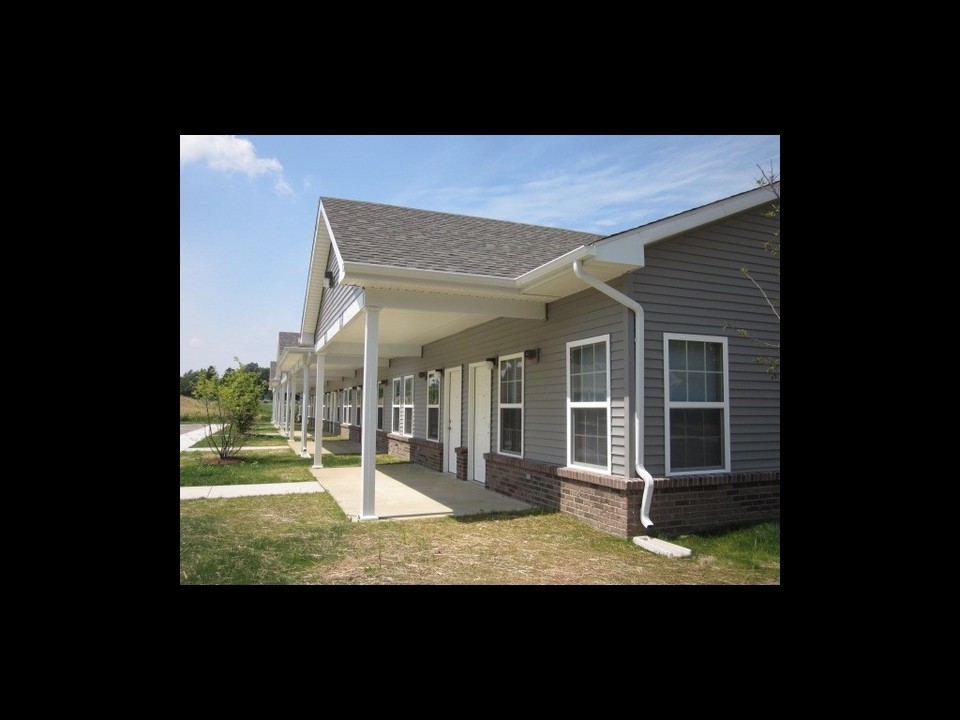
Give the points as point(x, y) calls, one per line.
point(335, 300)
point(587, 314)
point(692, 284)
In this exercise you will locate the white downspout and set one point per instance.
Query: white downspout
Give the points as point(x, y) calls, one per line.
point(638, 400)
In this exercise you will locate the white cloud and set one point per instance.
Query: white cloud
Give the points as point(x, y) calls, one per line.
point(195, 342)
point(610, 192)
point(229, 153)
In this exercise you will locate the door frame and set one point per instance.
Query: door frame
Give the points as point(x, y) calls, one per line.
point(450, 452)
point(472, 455)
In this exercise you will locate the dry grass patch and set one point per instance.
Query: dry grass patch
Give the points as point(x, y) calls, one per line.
point(537, 548)
point(306, 539)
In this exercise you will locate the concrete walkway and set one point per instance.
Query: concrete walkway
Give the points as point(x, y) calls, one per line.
point(232, 491)
point(194, 436)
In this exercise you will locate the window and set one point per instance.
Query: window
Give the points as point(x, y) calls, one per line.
point(588, 403)
point(359, 394)
point(397, 395)
point(403, 405)
point(433, 405)
point(347, 406)
point(380, 386)
point(338, 399)
point(696, 408)
point(408, 405)
point(511, 404)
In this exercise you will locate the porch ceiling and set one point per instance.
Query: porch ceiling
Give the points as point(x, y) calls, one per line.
point(408, 321)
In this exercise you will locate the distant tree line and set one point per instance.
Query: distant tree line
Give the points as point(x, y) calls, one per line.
point(188, 379)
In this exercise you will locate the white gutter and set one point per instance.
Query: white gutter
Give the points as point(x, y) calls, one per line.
point(638, 400)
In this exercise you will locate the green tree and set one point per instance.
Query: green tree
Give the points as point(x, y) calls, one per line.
point(772, 182)
point(190, 376)
point(233, 403)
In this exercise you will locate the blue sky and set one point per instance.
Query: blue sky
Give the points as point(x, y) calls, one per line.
point(248, 206)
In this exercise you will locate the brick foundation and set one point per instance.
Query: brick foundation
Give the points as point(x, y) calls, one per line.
point(423, 452)
point(612, 504)
point(461, 462)
point(708, 502)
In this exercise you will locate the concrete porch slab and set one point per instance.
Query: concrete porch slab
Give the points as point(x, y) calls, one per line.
point(409, 491)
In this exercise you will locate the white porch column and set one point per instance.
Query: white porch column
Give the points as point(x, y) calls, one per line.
point(286, 408)
point(283, 405)
point(318, 412)
point(273, 409)
point(303, 409)
point(368, 440)
point(293, 405)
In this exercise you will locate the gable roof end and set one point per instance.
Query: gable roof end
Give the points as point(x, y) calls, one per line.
point(613, 246)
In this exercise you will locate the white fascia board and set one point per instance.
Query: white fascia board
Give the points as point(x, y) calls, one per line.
point(292, 358)
point(370, 275)
point(333, 242)
point(555, 267)
point(690, 220)
point(314, 294)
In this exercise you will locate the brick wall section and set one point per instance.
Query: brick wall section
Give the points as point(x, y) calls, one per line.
point(461, 462)
point(424, 452)
point(707, 502)
point(612, 504)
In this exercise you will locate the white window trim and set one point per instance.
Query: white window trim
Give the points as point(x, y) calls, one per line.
point(394, 405)
point(667, 405)
point(381, 396)
point(430, 374)
point(403, 430)
point(348, 406)
point(510, 406)
point(571, 405)
point(358, 405)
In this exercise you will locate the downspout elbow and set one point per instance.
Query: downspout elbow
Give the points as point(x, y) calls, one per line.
point(647, 499)
point(628, 302)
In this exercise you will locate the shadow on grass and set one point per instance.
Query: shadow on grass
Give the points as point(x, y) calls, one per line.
point(503, 515)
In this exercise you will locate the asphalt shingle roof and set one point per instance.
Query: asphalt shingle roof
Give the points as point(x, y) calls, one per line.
point(426, 240)
point(288, 339)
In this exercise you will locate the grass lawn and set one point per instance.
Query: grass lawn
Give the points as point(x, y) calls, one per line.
point(339, 461)
point(261, 466)
point(755, 548)
point(256, 439)
point(306, 539)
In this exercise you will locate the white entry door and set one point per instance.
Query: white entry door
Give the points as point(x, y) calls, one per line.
point(480, 412)
point(453, 412)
